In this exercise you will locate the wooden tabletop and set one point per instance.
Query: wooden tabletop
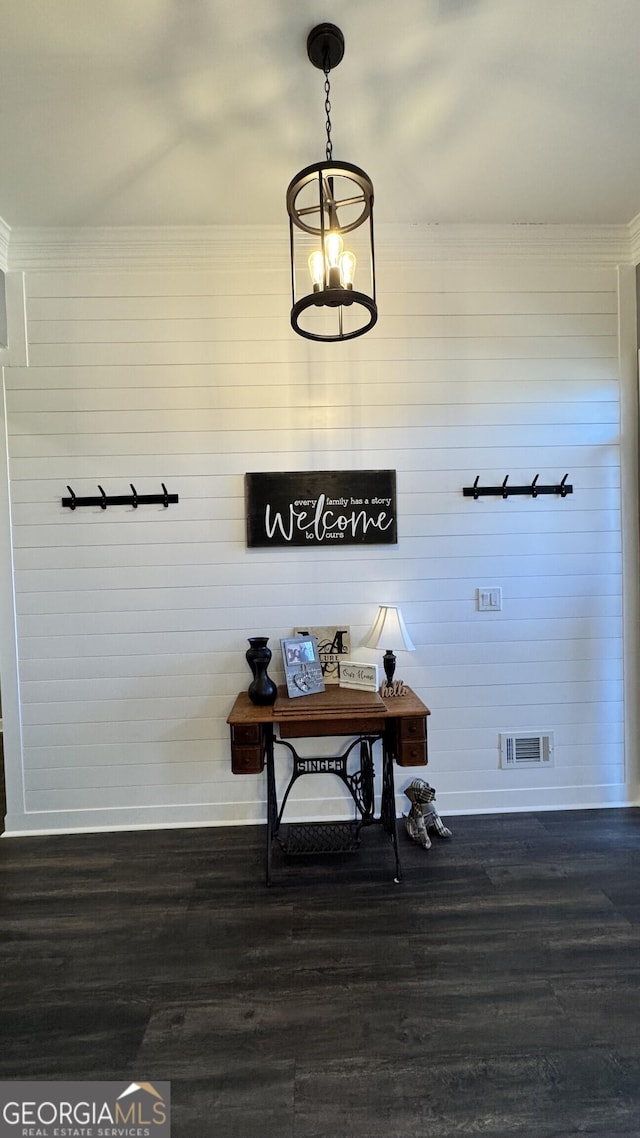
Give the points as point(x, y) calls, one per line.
point(334, 703)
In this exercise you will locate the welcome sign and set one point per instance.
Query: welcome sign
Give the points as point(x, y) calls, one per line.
point(321, 507)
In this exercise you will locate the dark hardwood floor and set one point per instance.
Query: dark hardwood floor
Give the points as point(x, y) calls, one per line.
point(494, 992)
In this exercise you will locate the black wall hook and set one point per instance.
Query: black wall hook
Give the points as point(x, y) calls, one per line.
point(533, 490)
point(134, 499)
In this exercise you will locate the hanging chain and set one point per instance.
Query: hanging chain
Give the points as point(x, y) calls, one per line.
point(327, 107)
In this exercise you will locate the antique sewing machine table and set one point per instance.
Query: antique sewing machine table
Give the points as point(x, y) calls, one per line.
point(399, 723)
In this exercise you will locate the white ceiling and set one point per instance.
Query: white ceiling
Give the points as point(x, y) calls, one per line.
point(191, 112)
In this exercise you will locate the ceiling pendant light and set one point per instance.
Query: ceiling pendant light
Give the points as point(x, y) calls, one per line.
point(330, 207)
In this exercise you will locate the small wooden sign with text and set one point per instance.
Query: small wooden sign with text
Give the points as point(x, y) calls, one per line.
point(321, 507)
point(363, 677)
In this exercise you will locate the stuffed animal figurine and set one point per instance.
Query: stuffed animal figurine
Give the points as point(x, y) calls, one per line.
point(423, 815)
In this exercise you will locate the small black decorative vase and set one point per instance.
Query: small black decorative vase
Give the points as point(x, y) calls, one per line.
point(262, 690)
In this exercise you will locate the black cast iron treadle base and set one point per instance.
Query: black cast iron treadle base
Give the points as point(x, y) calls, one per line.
point(320, 837)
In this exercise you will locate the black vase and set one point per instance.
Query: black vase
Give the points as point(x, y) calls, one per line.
point(262, 690)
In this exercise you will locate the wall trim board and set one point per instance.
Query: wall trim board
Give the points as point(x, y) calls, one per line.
point(5, 235)
point(266, 248)
point(9, 679)
point(628, 366)
point(16, 353)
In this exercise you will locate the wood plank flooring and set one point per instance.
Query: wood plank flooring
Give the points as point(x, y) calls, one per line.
point(494, 992)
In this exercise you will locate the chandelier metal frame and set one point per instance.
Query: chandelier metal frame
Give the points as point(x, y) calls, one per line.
point(328, 200)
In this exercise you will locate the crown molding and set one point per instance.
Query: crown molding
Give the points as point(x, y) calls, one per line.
point(146, 247)
point(605, 245)
point(5, 234)
point(267, 247)
point(634, 239)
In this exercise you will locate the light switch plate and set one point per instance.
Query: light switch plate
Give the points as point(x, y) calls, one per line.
point(489, 598)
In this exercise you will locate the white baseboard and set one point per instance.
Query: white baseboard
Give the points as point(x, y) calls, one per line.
point(317, 810)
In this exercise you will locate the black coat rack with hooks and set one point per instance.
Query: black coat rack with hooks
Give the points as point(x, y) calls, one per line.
point(133, 499)
point(505, 491)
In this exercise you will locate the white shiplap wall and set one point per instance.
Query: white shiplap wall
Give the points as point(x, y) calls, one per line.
point(132, 625)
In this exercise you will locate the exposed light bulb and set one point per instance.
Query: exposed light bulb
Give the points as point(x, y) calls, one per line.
point(333, 249)
point(333, 269)
point(333, 245)
point(316, 269)
point(347, 269)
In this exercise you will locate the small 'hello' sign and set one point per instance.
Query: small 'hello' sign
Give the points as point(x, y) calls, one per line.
point(321, 507)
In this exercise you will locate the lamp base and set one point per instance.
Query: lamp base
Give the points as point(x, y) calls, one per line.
point(389, 663)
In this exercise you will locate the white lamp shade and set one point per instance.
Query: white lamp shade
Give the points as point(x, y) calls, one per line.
point(389, 631)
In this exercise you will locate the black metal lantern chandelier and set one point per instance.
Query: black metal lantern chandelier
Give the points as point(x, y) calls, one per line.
point(330, 207)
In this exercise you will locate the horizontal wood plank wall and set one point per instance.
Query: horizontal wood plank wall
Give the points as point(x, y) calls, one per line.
point(133, 623)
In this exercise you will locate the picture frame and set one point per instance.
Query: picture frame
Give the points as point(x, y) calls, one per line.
point(302, 666)
point(334, 645)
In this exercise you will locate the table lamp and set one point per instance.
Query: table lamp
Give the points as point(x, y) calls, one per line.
point(389, 632)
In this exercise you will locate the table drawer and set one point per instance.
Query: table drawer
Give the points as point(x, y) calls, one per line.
point(247, 748)
point(317, 729)
point(412, 729)
point(411, 742)
point(246, 733)
point(247, 760)
point(412, 754)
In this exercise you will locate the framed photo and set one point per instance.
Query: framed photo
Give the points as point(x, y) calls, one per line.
point(334, 645)
point(302, 667)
